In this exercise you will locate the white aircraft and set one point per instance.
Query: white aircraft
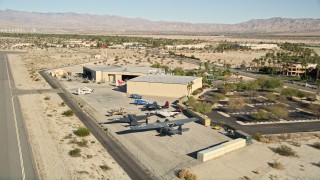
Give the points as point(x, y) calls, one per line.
point(84, 90)
point(165, 113)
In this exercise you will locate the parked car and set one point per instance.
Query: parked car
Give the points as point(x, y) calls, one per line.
point(136, 96)
point(142, 102)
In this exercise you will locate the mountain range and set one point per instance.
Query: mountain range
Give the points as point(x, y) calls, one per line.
point(108, 23)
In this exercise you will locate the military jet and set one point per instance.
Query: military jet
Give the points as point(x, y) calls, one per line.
point(132, 119)
point(166, 127)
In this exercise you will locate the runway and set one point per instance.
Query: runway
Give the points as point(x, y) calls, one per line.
point(15, 156)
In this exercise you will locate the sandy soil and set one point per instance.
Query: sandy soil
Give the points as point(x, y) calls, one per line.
point(254, 161)
point(51, 136)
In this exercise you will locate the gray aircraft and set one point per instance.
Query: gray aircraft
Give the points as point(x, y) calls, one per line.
point(166, 127)
point(132, 119)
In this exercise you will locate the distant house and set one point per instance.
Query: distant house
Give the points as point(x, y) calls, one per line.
point(298, 69)
point(188, 46)
point(260, 46)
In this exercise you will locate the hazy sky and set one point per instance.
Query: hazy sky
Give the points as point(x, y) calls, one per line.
point(196, 11)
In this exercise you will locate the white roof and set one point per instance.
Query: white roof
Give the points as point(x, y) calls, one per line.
point(132, 69)
point(167, 79)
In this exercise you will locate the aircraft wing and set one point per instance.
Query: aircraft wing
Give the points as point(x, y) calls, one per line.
point(123, 119)
point(142, 117)
point(182, 121)
point(149, 126)
point(158, 125)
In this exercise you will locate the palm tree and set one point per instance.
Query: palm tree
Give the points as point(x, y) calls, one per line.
point(304, 64)
point(189, 87)
point(318, 69)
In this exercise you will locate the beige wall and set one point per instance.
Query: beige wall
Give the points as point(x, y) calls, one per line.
point(161, 89)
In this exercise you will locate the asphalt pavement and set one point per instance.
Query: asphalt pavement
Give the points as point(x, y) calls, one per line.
point(16, 160)
point(115, 149)
point(277, 128)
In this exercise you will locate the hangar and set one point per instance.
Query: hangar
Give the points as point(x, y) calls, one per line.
point(163, 85)
point(114, 73)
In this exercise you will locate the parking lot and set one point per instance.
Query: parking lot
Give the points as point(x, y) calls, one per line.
point(297, 118)
point(162, 154)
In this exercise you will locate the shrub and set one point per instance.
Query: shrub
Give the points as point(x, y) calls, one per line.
point(201, 107)
point(75, 152)
point(316, 145)
point(105, 167)
point(191, 101)
point(82, 131)
point(68, 136)
point(89, 156)
point(277, 165)
point(261, 115)
point(257, 136)
point(186, 174)
point(68, 113)
point(216, 97)
point(197, 91)
point(316, 164)
point(271, 97)
point(63, 104)
point(47, 98)
point(284, 150)
point(83, 143)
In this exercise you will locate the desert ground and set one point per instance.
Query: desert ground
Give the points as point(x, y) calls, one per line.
point(51, 135)
point(49, 131)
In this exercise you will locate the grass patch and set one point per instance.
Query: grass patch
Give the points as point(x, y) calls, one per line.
point(316, 145)
point(69, 136)
point(316, 164)
point(82, 131)
point(277, 165)
point(105, 167)
point(82, 143)
point(68, 113)
point(75, 152)
point(257, 136)
point(186, 174)
point(285, 150)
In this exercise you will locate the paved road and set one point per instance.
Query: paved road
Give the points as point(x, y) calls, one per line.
point(15, 156)
point(132, 168)
point(266, 128)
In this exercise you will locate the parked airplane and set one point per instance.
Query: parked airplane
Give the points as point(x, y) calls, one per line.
point(152, 106)
point(166, 127)
point(165, 113)
point(132, 119)
point(84, 90)
point(116, 112)
point(120, 83)
point(142, 102)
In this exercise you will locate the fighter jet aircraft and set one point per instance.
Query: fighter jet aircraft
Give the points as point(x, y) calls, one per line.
point(166, 127)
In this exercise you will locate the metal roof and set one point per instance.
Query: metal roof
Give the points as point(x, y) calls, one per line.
point(167, 79)
point(132, 69)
